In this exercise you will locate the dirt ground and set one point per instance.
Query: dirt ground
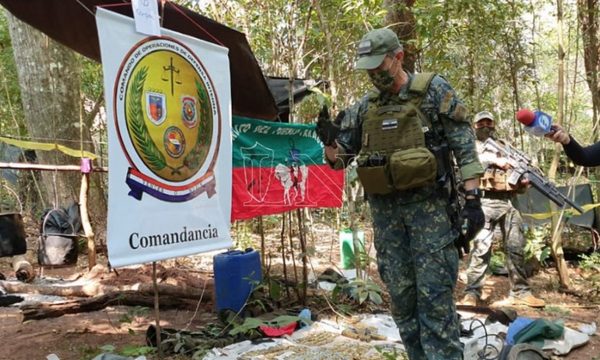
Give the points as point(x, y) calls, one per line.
point(84, 335)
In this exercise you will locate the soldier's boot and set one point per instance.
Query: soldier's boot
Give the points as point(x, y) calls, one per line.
point(521, 300)
point(468, 300)
point(529, 300)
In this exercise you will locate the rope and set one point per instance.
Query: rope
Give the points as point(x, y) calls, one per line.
point(195, 23)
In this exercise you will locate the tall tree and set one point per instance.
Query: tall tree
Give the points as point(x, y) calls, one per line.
point(557, 224)
point(49, 78)
point(401, 19)
point(587, 11)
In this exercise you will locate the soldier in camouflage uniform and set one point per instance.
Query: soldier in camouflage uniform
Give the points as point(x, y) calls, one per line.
point(414, 232)
point(501, 218)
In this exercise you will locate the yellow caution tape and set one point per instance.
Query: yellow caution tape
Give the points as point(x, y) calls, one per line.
point(32, 145)
point(570, 212)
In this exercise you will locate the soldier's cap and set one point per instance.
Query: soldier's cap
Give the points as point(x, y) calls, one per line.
point(483, 115)
point(374, 46)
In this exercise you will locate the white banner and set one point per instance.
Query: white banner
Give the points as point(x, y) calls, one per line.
point(169, 143)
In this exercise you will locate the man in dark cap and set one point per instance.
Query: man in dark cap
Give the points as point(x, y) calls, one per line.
point(502, 218)
point(403, 136)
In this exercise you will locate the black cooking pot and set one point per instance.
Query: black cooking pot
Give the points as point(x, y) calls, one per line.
point(12, 235)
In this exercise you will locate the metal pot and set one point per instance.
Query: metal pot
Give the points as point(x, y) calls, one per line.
point(12, 234)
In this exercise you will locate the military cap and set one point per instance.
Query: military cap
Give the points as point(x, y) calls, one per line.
point(483, 115)
point(374, 46)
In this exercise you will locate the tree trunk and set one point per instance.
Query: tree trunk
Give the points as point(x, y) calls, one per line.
point(37, 311)
point(401, 19)
point(49, 78)
point(557, 224)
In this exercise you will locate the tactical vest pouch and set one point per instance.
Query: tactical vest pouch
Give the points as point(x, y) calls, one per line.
point(496, 180)
point(375, 179)
point(412, 168)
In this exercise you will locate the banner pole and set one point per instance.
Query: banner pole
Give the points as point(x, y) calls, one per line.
point(156, 310)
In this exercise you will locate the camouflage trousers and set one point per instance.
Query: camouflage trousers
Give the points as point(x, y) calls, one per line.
point(503, 220)
point(418, 262)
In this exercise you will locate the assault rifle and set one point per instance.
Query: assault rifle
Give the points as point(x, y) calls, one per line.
point(521, 167)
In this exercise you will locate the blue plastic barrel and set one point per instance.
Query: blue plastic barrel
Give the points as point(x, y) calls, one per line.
point(236, 272)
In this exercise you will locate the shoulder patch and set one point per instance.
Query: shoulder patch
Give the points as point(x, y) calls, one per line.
point(459, 113)
point(446, 102)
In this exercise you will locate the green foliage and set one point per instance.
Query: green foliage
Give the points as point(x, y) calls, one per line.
point(11, 108)
point(497, 261)
point(536, 243)
point(590, 262)
point(92, 84)
point(391, 354)
point(132, 350)
point(359, 291)
point(243, 234)
point(127, 350)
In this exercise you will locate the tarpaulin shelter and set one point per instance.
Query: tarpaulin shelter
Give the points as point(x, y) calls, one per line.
point(280, 88)
point(72, 23)
point(533, 202)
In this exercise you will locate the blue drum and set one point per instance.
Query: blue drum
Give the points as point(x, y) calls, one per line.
point(236, 273)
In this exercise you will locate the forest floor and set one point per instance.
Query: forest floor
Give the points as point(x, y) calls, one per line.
point(121, 329)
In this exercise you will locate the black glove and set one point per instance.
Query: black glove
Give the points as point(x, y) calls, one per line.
point(472, 220)
point(328, 130)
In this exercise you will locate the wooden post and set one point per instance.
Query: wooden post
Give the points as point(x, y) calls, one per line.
point(156, 311)
point(86, 168)
point(261, 229)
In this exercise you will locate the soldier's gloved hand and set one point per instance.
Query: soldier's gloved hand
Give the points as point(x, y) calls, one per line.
point(473, 219)
point(328, 130)
point(462, 245)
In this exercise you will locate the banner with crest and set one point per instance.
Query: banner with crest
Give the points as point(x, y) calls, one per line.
point(279, 167)
point(169, 124)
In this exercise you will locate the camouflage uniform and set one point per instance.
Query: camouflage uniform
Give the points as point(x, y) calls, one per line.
point(501, 218)
point(413, 232)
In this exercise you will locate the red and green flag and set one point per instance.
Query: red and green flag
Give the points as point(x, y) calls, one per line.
point(279, 167)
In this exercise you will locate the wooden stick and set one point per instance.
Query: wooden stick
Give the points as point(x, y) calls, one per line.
point(156, 310)
point(42, 167)
point(85, 220)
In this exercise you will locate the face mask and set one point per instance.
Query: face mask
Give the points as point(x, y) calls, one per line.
point(383, 80)
point(484, 133)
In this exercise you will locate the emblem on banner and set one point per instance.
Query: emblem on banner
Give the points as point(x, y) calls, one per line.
point(155, 107)
point(188, 111)
point(173, 145)
point(174, 142)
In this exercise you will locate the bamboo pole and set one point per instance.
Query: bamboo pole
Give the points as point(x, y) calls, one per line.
point(43, 167)
point(85, 219)
point(156, 311)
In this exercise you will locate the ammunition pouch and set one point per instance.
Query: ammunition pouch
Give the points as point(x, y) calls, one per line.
point(412, 168)
point(495, 179)
point(375, 179)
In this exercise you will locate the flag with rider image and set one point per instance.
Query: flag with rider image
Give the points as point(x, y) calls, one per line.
point(279, 167)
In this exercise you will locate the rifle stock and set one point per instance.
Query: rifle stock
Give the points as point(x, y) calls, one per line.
point(522, 167)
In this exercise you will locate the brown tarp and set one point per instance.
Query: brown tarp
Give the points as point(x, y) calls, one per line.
point(71, 23)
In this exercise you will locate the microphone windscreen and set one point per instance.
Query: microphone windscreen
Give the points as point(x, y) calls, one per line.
point(525, 117)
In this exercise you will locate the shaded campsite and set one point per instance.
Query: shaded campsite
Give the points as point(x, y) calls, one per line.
point(122, 329)
point(208, 153)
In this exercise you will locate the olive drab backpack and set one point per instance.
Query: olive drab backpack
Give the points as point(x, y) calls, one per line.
point(394, 154)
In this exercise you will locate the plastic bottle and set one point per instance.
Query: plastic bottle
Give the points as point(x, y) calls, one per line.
point(536, 123)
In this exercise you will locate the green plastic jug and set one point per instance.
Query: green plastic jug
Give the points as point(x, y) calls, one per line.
point(347, 247)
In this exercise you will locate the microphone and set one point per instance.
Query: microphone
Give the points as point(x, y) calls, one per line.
point(536, 123)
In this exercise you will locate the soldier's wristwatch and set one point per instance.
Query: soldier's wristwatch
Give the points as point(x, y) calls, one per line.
point(473, 193)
